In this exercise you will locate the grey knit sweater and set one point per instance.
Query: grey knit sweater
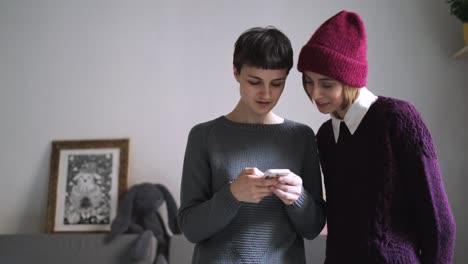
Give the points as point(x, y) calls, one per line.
point(228, 231)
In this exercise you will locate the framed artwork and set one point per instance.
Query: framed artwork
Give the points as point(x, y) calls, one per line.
point(87, 179)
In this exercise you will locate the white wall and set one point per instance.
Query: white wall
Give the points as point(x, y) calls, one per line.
point(150, 70)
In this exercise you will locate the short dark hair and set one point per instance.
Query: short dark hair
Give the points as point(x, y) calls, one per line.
point(265, 48)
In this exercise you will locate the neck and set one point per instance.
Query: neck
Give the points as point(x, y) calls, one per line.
point(341, 113)
point(242, 115)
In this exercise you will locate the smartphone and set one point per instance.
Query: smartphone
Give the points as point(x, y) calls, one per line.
point(276, 173)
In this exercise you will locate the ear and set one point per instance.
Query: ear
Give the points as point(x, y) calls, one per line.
point(171, 209)
point(236, 73)
point(122, 221)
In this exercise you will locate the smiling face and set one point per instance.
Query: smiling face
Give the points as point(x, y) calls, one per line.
point(260, 89)
point(325, 92)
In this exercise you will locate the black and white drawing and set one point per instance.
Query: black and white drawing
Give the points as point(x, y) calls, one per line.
point(87, 177)
point(88, 189)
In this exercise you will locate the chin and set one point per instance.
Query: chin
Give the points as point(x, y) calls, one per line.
point(325, 112)
point(263, 110)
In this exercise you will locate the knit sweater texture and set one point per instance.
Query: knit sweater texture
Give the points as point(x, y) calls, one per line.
point(228, 231)
point(386, 201)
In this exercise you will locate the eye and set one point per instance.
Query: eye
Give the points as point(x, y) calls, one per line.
point(308, 84)
point(279, 84)
point(253, 83)
point(327, 85)
point(307, 81)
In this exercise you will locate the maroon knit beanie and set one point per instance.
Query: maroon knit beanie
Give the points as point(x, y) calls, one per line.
point(338, 50)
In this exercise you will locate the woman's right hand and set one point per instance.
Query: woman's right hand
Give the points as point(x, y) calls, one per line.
point(251, 187)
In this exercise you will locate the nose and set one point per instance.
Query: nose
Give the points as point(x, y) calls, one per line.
point(313, 92)
point(266, 92)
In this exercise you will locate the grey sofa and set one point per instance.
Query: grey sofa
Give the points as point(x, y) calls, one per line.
point(92, 248)
point(181, 250)
point(68, 249)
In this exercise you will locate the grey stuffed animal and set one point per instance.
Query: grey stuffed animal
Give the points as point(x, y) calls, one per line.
point(138, 213)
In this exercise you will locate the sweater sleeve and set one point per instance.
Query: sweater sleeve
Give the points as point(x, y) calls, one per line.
point(203, 212)
point(307, 213)
point(430, 203)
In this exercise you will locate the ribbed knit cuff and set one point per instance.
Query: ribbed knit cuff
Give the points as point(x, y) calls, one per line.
point(230, 202)
point(300, 202)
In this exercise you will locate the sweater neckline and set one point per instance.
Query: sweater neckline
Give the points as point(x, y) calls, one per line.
point(285, 125)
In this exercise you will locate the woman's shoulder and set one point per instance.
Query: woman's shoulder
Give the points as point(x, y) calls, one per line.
point(299, 127)
point(407, 124)
point(204, 127)
point(397, 112)
point(207, 124)
point(394, 106)
point(325, 128)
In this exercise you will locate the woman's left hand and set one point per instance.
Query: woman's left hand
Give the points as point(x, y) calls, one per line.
point(288, 188)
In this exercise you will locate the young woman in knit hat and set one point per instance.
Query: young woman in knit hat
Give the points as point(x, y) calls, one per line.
point(386, 202)
point(232, 212)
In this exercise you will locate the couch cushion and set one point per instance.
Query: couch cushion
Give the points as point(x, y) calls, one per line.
point(68, 248)
point(181, 250)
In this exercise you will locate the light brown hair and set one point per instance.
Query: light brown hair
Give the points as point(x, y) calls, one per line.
point(349, 96)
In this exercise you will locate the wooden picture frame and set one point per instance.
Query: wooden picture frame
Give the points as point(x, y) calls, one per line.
point(87, 179)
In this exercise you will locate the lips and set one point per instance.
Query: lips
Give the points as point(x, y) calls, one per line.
point(263, 103)
point(321, 104)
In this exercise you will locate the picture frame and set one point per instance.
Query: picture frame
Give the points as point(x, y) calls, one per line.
point(86, 182)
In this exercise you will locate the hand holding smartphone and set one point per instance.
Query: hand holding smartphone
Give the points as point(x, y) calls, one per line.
point(271, 173)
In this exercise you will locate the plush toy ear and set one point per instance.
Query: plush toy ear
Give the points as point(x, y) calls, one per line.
point(171, 209)
point(122, 221)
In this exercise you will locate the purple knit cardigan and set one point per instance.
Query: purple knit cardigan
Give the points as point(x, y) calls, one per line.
point(386, 201)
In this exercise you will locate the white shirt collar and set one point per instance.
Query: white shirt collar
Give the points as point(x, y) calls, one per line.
point(355, 113)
